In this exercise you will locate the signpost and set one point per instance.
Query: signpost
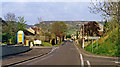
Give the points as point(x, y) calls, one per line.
point(20, 37)
point(92, 41)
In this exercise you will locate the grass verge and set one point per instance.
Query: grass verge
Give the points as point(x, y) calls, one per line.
point(106, 45)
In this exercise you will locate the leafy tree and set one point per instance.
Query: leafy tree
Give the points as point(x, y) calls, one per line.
point(91, 28)
point(10, 27)
point(59, 29)
point(68, 36)
point(21, 24)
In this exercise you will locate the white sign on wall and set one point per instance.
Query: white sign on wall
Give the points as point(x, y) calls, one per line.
point(37, 42)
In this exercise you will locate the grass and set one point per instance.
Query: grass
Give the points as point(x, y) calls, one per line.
point(107, 45)
point(46, 44)
point(56, 45)
point(71, 31)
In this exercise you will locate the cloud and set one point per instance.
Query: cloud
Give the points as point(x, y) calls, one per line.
point(57, 0)
point(49, 10)
point(46, 0)
point(0, 9)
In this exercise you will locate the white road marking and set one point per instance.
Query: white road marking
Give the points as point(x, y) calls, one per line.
point(117, 62)
point(36, 61)
point(44, 57)
point(88, 63)
point(39, 57)
point(54, 49)
point(82, 62)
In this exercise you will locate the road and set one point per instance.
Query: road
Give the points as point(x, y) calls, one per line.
point(21, 57)
point(69, 54)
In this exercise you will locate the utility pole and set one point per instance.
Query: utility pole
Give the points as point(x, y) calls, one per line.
point(83, 36)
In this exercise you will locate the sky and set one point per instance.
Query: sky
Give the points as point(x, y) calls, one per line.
point(49, 11)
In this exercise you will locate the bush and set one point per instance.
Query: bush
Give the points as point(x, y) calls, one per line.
point(68, 36)
point(46, 44)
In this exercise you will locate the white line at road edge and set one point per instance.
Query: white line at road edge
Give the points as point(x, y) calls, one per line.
point(54, 49)
point(88, 63)
point(82, 62)
point(43, 56)
point(39, 57)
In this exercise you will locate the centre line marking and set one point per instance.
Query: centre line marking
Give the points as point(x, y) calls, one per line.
point(88, 63)
point(82, 62)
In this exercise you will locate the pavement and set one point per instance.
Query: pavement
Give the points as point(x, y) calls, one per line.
point(69, 54)
point(14, 59)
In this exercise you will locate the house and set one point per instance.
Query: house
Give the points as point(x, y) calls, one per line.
point(101, 29)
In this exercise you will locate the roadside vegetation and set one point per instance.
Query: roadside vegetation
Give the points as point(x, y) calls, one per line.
point(109, 43)
point(46, 44)
point(10, 27)
point(71, 31)
point(51, 34)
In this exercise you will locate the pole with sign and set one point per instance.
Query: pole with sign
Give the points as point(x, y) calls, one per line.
point(20, 37)
point(92, 41)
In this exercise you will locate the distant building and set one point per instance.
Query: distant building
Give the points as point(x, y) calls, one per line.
point(33, 33)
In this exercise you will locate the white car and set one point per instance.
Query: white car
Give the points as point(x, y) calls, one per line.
point(71, 40)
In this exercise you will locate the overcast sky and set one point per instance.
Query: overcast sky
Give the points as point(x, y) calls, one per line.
point(50, 11)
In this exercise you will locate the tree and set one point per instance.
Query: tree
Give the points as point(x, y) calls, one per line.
point(10, 17)
point(108, 10)
point(21, 24)
point(10, 27)
point(59, 29)
point(111, 12)
point(41, 24)
point(10, 30)
point(91, 28)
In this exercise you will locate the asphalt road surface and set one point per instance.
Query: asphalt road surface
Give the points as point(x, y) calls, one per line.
point(68, 54)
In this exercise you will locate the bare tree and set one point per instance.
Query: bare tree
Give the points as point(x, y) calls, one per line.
point(39, 21)
point(106, 9)
point(10, 17)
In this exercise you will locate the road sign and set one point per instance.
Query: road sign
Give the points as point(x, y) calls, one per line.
point(20, 37)
point(93, 37)
point(92, 41)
